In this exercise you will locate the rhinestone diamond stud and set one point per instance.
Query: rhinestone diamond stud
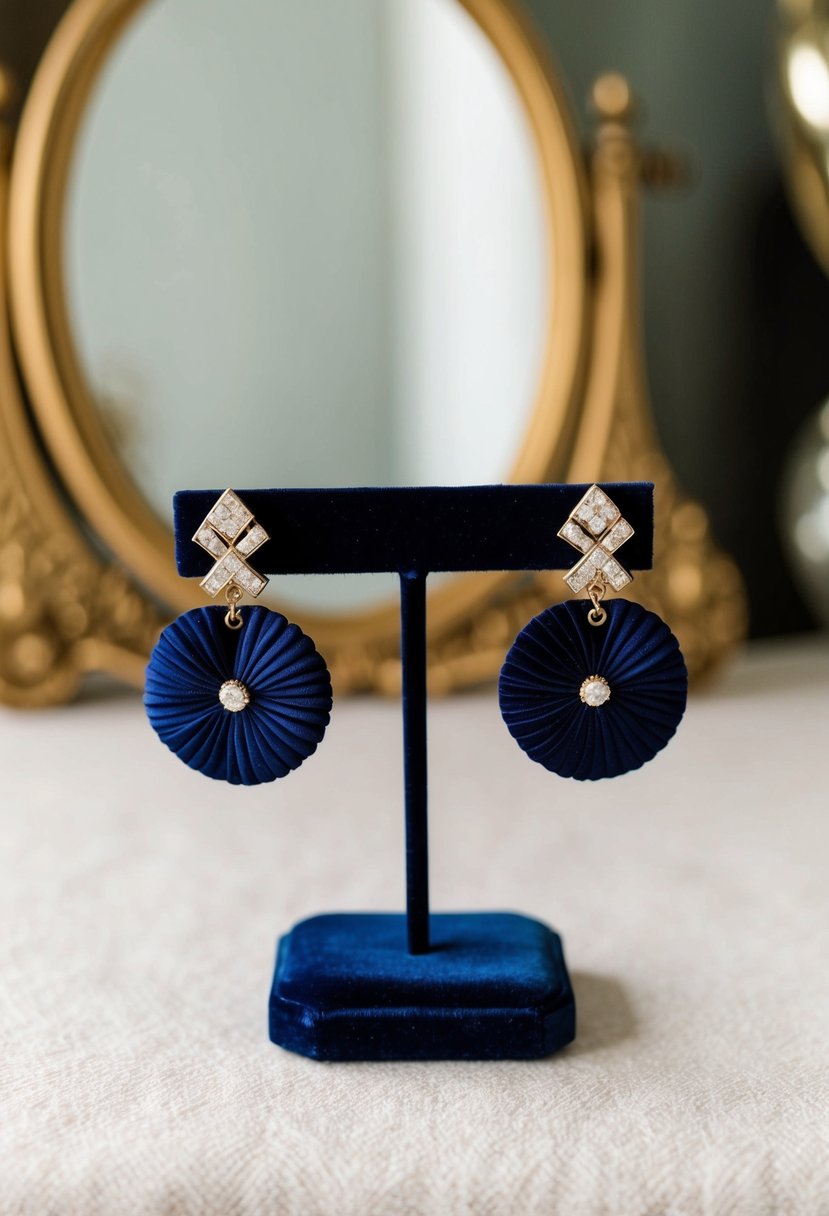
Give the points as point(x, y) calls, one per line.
point(230, 534)
point(234, 696)
point(594, 691)
point(229, 515)
point(596, 528)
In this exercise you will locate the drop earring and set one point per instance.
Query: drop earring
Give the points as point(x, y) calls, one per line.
point(592, 689)
point(242, 697)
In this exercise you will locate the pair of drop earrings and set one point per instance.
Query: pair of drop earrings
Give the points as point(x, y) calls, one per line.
point(588, 689)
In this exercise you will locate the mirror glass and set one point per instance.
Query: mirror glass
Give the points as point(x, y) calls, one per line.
point(305, 244)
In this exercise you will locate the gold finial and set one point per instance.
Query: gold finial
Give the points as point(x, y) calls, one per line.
point(613, 102)
point(611, 98)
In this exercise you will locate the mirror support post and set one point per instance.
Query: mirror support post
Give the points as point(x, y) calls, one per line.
point(413, 659)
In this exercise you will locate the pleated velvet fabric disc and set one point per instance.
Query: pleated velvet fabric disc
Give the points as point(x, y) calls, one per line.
point(243, 706)
point(631, 711)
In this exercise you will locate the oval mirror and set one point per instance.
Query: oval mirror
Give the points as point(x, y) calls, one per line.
point(267, 243)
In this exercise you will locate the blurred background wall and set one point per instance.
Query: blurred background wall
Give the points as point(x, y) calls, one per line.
point(736, 309)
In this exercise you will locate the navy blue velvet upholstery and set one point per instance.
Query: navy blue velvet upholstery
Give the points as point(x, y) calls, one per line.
point(413, 529)
point(415, 792)
point(494, 986)
point(638, 656)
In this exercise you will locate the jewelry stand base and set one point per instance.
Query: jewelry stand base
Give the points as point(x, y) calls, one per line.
point(493, 986)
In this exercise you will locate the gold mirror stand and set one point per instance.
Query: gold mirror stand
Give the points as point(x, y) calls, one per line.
point(65, 612)
point(694, 585)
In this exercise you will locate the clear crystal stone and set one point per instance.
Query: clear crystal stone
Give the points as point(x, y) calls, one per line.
point(234, 696)
point(215, 580)
point(252, 540)
point(229, 515)
point(581, 574)
point(617, 536)
point(249, 580)
point(616, 574)
point(584, 571)
point(231, 568)
point(597, 559)
point(208, 540)
point(576, 581)
point(595, 511)
point(595, 691)
point(228, 567)
point(578, 539)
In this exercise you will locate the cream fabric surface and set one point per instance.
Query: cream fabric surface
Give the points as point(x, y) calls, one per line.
point(140, 903)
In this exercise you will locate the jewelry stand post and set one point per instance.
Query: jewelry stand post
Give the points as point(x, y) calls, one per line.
point(389, 986)
point(415, 769)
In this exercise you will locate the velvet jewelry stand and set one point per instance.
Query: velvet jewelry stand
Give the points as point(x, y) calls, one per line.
point(419, 986)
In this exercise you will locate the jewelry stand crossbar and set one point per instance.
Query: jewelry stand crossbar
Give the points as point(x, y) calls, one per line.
point(419, 985)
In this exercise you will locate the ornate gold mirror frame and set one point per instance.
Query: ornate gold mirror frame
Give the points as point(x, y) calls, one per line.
point(66, 503)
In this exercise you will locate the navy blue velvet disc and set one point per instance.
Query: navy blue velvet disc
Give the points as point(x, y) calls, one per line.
point(543, 673)
point(284, 678)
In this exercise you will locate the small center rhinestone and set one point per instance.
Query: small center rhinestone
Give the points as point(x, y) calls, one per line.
point(234, 696)
point(595, 691)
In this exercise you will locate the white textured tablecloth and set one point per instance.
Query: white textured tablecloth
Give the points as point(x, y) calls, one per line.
point(140, 903)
